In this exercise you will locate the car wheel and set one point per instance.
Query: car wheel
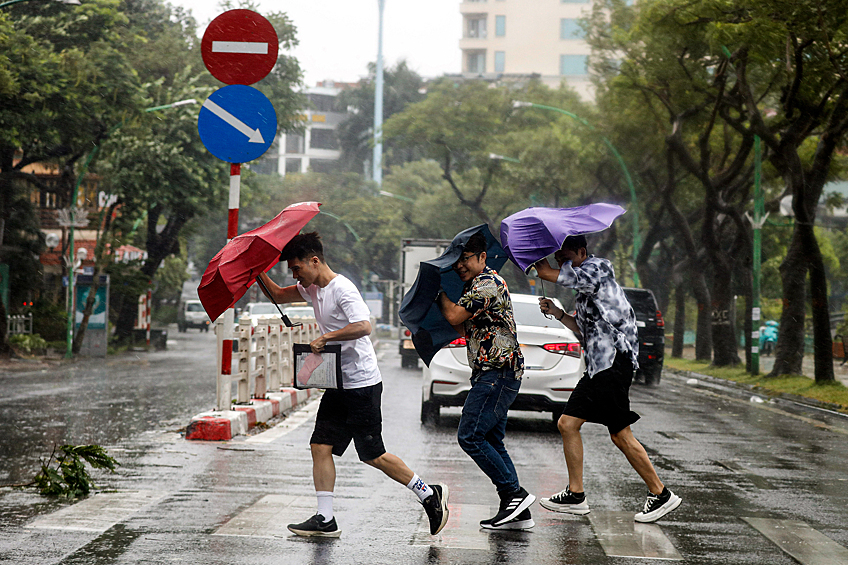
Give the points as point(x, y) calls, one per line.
point(430, 412)
point(653, 375)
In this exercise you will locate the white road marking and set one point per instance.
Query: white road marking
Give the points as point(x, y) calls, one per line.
point(798, 539)
point(621, 536)
point(98, 513)
point(462, 530)
point(269, 516)
point(291, 423)
point(246, 47)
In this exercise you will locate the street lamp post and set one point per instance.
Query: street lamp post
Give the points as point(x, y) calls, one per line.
point(637, 240)
point(71, 274)
point(378, 105)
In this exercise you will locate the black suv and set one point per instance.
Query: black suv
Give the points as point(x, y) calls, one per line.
point(651, 328)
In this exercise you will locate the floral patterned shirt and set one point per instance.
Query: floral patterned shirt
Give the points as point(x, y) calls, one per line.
point(604, 314)
point(490, 331)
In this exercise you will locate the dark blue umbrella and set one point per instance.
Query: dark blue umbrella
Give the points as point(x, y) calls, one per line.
point(419, 311)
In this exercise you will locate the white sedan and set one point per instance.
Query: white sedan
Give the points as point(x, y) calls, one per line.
point(553, 363)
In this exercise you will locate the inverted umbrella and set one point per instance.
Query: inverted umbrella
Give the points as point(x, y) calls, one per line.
point(419, 310)
point(534, 233)
point(231, 272)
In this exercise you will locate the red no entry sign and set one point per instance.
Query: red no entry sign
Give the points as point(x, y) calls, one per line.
point(239, 47)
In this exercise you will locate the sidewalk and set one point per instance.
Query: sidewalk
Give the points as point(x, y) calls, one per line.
point(840, 371)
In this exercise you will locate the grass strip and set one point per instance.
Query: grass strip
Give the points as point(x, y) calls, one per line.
point(833, 392)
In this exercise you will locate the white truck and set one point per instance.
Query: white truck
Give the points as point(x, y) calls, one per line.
point(412, 253)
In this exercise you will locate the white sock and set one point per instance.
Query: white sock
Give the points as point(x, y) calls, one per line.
point(419, 487)
point(325, 504)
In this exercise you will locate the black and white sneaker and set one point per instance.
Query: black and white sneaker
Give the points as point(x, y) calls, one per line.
point(523, 521)
point(511, 506)
point(657, 506)
point(567, 502)
point(316, 527)
point(436, 506)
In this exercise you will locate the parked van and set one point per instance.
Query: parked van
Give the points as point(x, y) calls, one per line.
point(193, 315)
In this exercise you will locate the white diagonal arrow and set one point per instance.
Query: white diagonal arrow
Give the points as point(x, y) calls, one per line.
point(246, 47)
point(253, 135)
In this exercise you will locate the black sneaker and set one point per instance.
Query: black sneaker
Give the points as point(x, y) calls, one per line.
point(511, 506)
point(657, 506)
point(436, 506)
point(523, 521)
point(317, 527)
point(567, 502)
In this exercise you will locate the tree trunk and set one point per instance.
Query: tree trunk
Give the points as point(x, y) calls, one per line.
point(789, 352)
point(823, 343)
point(679, 320)
point(723, 322)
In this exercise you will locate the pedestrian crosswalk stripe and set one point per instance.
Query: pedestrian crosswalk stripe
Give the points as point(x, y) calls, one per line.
point(802, 542)
point(97, 513)
point(621, 536)
point(462, 530)
point(269, 516)
point(294, 421)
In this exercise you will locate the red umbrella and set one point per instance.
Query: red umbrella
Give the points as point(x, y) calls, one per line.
point(231, 272)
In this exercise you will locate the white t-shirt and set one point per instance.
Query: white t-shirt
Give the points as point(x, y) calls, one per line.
point(337, 305)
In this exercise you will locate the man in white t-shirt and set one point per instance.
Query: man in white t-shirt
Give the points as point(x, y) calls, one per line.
point(353, 412)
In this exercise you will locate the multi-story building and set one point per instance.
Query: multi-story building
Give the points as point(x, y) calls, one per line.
point(526, 37)
point(317, 149)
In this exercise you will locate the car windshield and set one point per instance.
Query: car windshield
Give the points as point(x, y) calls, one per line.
point(194, 307)
point(528, 314)
point(263, 310)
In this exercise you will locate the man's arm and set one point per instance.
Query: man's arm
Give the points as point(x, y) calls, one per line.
point(453, 312)
point(546, 305)
point(279, 294)
point(350, 332)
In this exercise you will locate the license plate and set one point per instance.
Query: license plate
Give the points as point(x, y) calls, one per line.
point(407, 344)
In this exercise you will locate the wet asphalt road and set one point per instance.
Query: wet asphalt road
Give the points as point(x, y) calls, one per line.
point(729, 459)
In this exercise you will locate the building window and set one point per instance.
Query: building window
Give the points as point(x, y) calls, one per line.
point(570, 29)
point(476, 62)
point(294, 143)
point(322, 102)
point(476, 28)
point(573, 65)
point(323, 165)
point(323, 139)
point(292, 166)
point(500, 58)
point(500, 26)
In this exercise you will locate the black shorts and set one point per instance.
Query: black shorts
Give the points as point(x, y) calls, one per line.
point(605, 398)
point(351, 414)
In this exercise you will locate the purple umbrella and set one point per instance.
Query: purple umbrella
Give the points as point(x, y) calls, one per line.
point(533, 234)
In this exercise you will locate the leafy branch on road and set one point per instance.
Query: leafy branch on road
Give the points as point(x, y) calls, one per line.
point(69, 478)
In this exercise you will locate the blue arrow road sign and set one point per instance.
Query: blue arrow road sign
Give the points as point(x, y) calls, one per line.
point(237, 123)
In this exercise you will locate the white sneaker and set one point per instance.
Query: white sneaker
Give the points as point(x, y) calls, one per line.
point(567, 502)
point(657, 506)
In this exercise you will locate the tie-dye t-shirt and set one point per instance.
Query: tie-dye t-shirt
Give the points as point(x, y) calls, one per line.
point(490, 331)
point(604, 314)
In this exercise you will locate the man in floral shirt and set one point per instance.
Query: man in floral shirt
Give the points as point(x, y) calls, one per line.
point(606, 325)
point(484, 316)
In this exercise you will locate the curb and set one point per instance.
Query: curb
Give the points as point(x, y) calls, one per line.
point(223, 425)
point(837, 409)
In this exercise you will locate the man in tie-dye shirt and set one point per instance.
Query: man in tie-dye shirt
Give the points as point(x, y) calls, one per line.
point(606, 325)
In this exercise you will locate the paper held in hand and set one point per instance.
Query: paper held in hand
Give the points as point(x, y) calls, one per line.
point(317, 371)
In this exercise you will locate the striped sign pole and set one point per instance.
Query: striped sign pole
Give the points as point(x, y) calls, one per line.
point(226, 350)
point(147, 311)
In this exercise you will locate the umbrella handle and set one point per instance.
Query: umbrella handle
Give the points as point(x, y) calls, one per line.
point(285, 318)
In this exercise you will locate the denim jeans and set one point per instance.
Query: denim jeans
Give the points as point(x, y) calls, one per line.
point(483, 426)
